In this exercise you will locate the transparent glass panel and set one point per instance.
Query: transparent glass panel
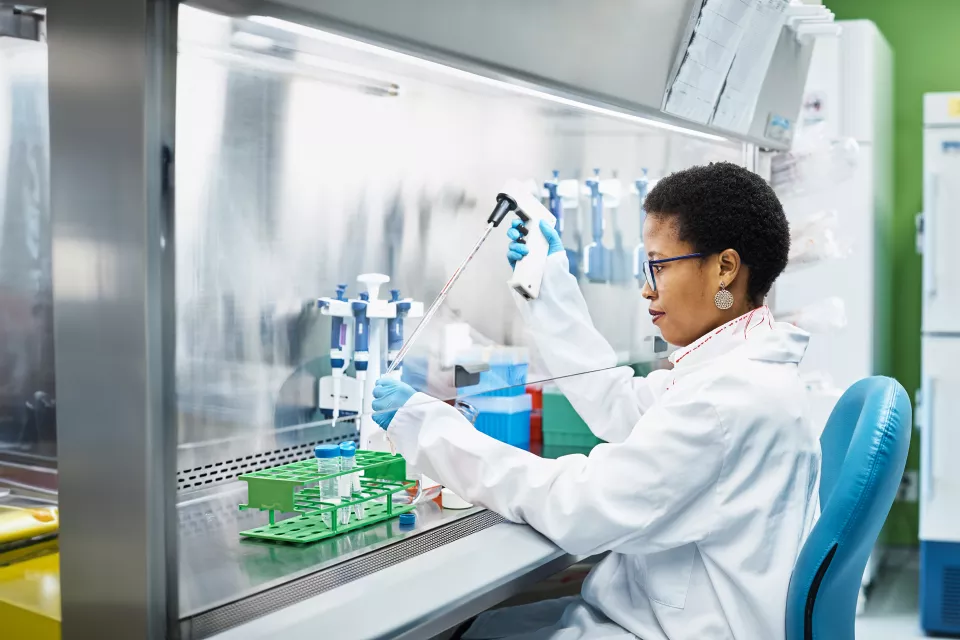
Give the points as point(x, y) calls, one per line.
point(28, 442)
point(305, 161)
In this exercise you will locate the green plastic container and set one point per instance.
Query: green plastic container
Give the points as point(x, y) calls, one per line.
point(563, 426)
point(558, 450)
point(294, 488)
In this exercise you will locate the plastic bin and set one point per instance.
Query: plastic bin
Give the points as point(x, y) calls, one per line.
point(535, 391)
point(563, 426)
point(558, 451)
point(505, 418)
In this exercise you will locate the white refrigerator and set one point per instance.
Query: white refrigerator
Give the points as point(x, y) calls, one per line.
point(938, 416)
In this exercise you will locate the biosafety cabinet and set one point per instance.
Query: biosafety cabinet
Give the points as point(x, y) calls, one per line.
point(183, 184)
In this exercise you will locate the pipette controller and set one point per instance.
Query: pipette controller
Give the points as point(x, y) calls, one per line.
point(528, 273)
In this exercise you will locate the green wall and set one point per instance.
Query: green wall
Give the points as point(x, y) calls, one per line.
point(924, 37)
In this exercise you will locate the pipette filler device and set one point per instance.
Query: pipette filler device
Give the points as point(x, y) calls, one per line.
point(527, 275)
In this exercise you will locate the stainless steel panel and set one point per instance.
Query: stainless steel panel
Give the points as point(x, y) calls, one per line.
point(27, 387)
point(226, 580)
point(622, 53)
point(306, 160)
point(112, 65)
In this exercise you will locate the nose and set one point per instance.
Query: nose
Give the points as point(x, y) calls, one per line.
point(647, 293)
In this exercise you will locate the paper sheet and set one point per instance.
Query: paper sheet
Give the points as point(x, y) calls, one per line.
point(702, 74)
point(738, 100)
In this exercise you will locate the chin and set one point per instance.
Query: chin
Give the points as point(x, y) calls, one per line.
point(674, 337)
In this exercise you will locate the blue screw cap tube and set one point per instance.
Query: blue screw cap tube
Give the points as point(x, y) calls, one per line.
point(350, 484)
point(361, 333)
point(408, 520)
point(554, 201)
point(328, 462)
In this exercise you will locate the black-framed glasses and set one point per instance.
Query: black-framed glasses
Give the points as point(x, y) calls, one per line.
point(648, 266)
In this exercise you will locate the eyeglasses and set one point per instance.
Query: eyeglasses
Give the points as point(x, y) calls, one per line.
point(648, 266)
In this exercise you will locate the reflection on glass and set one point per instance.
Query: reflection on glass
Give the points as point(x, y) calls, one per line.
point(27, 387)
point(304, 163)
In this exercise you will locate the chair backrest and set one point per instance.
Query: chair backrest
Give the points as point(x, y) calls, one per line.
point(864, 446)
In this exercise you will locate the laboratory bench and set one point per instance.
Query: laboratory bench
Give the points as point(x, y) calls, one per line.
point(381, 581)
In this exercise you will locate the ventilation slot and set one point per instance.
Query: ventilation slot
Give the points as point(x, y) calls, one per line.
point(950, 604)
point(228, 470)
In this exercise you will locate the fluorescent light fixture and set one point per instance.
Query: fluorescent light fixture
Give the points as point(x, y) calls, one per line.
point(357, 45)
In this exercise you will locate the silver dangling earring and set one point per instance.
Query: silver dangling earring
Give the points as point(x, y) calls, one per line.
point(723, 299)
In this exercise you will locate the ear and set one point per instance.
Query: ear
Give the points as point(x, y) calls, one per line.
point(729, 261)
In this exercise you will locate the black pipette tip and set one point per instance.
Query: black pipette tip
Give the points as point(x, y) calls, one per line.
point(505, 204)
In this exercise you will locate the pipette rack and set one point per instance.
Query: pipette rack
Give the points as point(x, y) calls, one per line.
point(294, 488)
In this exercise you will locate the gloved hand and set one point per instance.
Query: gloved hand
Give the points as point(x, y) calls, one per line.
point(517, 250)
point(389, 395)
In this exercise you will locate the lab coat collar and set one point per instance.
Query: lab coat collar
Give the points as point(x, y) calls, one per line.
point(757, 331)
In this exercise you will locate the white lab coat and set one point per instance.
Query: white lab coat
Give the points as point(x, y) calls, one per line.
point(704, 494)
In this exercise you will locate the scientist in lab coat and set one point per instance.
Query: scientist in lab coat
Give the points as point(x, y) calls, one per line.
point(707, 486)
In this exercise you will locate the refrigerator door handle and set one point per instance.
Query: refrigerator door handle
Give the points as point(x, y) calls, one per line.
point(927, 474)
point(931, 188)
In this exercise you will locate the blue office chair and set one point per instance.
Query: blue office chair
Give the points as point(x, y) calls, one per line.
point(864, 447)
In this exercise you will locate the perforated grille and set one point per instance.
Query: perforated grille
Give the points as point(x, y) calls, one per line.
point(228, 616)
point(950, 604)
point(227, 470)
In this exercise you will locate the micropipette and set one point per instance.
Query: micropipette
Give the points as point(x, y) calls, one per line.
point(505, 204)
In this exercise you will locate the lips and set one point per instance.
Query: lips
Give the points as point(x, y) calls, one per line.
point(656, 315)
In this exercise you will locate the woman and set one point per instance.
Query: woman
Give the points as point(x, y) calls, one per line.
point(707, 487)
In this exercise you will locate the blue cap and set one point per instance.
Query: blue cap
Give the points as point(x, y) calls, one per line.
point(327, 451)
point(348, 449)
point(408, 519)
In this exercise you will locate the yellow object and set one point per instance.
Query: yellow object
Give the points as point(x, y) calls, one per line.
point(22, 523)
point(30, 592)
point(953, 107)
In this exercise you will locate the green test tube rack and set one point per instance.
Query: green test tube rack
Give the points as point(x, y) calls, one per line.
point(294, 488)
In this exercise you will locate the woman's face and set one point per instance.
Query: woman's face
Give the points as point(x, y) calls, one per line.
point(683, 305)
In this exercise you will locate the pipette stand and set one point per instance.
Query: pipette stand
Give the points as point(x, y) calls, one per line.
point(356, 394)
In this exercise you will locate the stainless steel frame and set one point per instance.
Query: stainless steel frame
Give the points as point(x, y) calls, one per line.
point(112, 96)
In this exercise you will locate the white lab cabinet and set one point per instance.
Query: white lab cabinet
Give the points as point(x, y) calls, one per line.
point(941, 230)
point(939, 420)
point(938, 415)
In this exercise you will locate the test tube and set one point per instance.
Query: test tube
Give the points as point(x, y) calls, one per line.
point(350, 483)
point(328, 463)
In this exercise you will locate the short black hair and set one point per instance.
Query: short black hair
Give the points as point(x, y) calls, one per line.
point(723, 206)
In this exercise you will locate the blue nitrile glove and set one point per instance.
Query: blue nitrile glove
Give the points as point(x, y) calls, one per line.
point(516, 250)
point(389, 396)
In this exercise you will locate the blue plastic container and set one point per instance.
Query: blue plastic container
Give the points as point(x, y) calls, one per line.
point(506, 418)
